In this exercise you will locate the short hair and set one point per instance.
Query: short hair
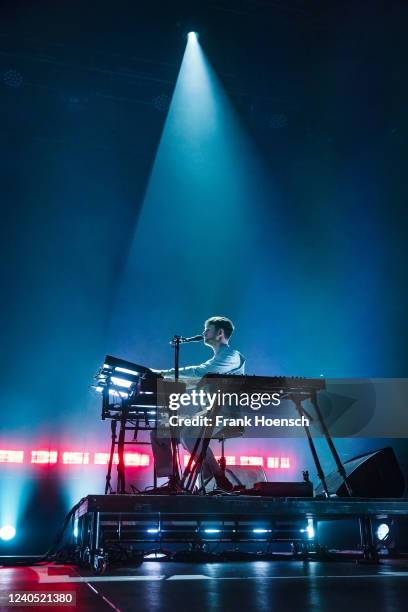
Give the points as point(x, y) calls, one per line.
point(222, 323)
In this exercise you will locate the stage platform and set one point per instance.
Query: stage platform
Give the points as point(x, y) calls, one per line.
point(230, 505)
point(103, 522)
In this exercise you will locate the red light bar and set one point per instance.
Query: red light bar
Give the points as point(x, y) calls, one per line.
point(232, 460)
point(131, 459)
point(11, 456)
point(284, 462)
point(244, 460)
point(75, 458)
point(103, 459)
point(229, 459)
point(278, 462)
point(44, 456)
point(137, 459)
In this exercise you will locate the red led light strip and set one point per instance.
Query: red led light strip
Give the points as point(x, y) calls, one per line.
point(131, 459)
point(271, 462)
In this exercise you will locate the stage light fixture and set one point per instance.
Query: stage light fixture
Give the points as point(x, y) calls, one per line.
point(310, 529)
point(116, 393)
point(131, 459)
point(153, 530)
point(278, 462)
point(103, 459)
point(137, 459)
point(229, 459)
point(125, 371)
point(192, 36)
point(44, 456)
point(259, 530)
point(11, 456)
point(7, 532)
point(121, 382)
point(246, 460)
point(383, 531)
point(212, 530)
point(75, 458)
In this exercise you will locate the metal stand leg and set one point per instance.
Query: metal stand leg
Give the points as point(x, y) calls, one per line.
point(223, 461)
point(121, 485)
point(298, 403)
point(189, 469)
point(191, 473)
point(366, 533)
point(108, 487)
point(329, 441)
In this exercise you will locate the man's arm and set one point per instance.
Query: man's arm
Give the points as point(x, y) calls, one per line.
point(219, 364)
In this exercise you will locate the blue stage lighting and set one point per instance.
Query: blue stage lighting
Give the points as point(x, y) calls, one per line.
point(153, 530)
point(262, 530)
point(192, 36)
point(212, 530)
point(7, 532)
point(382, 531)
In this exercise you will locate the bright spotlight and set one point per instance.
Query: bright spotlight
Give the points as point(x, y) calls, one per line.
point(7, 532)
point(382, 531)
point(212, 530)
point(310, 529)
point(192, 36)
point(153, 530)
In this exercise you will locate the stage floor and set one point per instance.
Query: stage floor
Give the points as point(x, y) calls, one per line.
point(168, 586)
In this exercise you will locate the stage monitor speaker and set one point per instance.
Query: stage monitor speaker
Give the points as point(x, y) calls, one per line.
point(374, 474)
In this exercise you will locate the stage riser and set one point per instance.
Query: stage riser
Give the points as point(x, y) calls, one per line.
point(102, 522)
point(243, 507)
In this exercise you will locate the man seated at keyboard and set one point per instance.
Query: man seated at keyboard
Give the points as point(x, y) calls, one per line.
point(226, 360)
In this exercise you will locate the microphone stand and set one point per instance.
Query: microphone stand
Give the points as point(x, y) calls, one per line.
point(176, 343)
point(175, 485)
point(174, 481)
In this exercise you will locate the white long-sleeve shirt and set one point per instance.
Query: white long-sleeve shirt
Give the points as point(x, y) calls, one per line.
point(226, 361)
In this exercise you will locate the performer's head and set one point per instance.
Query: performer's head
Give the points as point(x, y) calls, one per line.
point(217, 331)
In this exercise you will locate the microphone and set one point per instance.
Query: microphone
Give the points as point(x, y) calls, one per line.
point(197, 338)
point(183, 340)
